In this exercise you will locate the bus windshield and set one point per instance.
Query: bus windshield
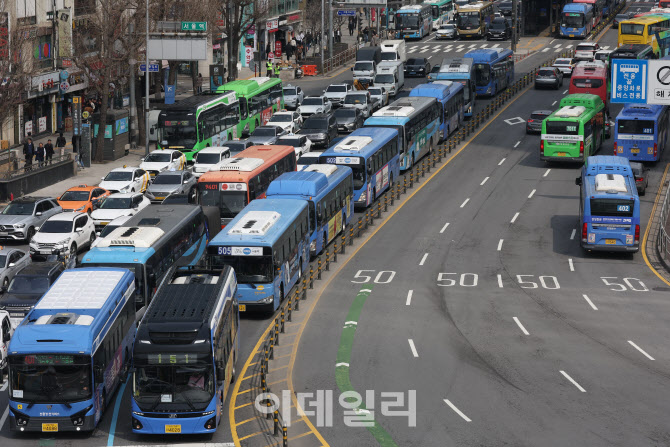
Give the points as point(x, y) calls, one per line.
point(562, 127)
point(631, 28)
point(645, 127)
point(406, 21)
point(573, 20)
point(482, 75)
point(230, 203)
point(612, 207)
point(468, 19)
point(248, 269)
point(49, 378)
point(178, 133)
point(190, 386)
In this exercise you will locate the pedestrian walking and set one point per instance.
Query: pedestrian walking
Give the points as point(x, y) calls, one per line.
point(338, 36)
point(39, 155)
point(198, 83)
point(28, 151)
point(268, 65)
point(48, 151)
point(60, 143)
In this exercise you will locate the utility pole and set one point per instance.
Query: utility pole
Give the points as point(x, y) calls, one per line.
point(331, 31)
point(146, 87)
point(323, 30)
point(514, 24)
point(133, 126)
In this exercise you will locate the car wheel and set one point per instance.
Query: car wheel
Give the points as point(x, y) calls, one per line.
point(132, 190)
point(5, 283)
point(73, 249)
point(91, 239)
point(30, 233)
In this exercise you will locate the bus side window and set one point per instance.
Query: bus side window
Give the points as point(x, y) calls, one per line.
point(588, 130)
point(312, 214)
point(243, 108)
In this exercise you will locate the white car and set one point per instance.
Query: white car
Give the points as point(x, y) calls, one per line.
point(126, 179)
point(336, 93)
point(118, 205)
point(314, 104)
point(301, 143)
point(565, 64)
point(380, 97)
point(586, 50)
point(289, 121)
point(163, 160)
point(603, 56)
point(64, 233)
point(209, 157)
point(308, 159)
point(446, 31)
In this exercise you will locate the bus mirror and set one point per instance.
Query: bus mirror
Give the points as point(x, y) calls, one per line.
point(370, 172)
point(578, 181)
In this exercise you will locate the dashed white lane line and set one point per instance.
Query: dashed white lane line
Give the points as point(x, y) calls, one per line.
point(579, 387)
point(574, 232)
point(517, 143)
point(500, 284)
point(588, 300)
point(565, 92)
point(500, 242)
point(531, 193)
point(483, 181)
point(444, 228)
point(425, 255)
point(457, 411)
point(465, 203)
point(4, 417)
point(514, 218)
point(523, 329)
point(640, 349)
point(571, 264)
point(409, 298)
point(554, 103)
point(502, 161)
point(413, 348)
point(545, 50)
point(546, 173)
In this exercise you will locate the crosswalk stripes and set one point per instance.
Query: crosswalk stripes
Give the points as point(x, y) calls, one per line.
point(424, 50)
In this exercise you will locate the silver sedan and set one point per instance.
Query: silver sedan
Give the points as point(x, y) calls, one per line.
point(12, 260)
point(172, 182)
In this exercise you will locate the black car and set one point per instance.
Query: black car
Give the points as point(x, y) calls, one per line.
point(27, 287)
point(417, 67)
point(499, 29)
point(506, 8)
point(640, 173)
point(237, 146)
point(320, 128)
point(620, 18)
point(534, 123)
point(348, 119)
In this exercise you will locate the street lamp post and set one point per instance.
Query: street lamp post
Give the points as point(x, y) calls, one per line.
point(146, 87)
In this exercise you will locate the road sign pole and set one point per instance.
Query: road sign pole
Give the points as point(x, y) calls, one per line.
point(146, 87)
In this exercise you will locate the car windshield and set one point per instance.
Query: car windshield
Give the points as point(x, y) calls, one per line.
point(345, 113)
point(33, 285)
point(582, 47)
point(546, 72)
point(119, 176)
point(631, 28)
point(497, 25)
point(236, 147)
point(281, 118)
point(264, 132)
point(561, 62)
point(291, 141)
point(187, 387)
point(620, 17)
point(248, 269)
point(56, 226)
point(19, 209)
point(361, 66)
point(357, 99)
point(383, 79)
point(74, 196)
point(50, 378)
point(538, 116)
point(158, 157)
point(116, 203)
point(337, 89)
point(312, 102)
point(207, 159)
point(167, 179)
point(447, 27)
point(375, 91)
point(290, 92)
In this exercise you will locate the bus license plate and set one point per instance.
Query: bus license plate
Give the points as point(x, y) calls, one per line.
point(572, 35)
point(561, 154)
point(635, 151)
point(50, 427)
point(173, 429)
point(243, 307)
point(610, 241)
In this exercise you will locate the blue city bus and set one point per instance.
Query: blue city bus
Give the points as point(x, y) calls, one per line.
point(328, 190)
point(267, 244)
point(417, 121)
point(450, 96)
point(576, 20)
point(494, 69)
point(641, 132)
point(184, 353)
point(609, 207)
point(154, 240)
point(372, 153)
point(67, 357)
point(461, 70)
point(413, 21)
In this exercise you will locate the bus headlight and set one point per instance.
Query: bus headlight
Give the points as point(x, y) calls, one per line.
point(267, 300)
point(312, 246)
point(363, 197)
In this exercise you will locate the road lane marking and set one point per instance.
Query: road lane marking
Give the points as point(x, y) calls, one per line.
point(546, 173)
point(565, 92)
point(4, 417)
point(412, 347)
point(579, 387)
point(554, 103)
point(409, 298)
point(500, 284)
point(514, 218)
point(531, 193)
point(629, 341)
point(545, 50)
point(465, 203)
point(572, 266)
point(517, 143)
point(500, 242)
point(588, 300)
point(646, 232)
point(502, 161)
point(523, 329)
point(574, 231)
point(444, 228)
point(423, 259)
point(483, 181)
point(115, 417)
point(457, 411)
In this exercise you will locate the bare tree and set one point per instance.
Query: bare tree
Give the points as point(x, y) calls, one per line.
point(238, 16)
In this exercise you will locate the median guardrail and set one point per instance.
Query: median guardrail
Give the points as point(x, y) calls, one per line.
point(663, 239)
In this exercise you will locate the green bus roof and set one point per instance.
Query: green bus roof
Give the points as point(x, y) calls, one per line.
point(249, 87)
point(583, 99)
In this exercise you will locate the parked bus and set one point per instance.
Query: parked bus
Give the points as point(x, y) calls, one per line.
point(372, 153)
point(461, 70)
point(598, 6)
point(576, 20)
point(152, 241)
point(67, 357)
point(413, 21)
point(243, 178)
point(329, 191)
point(642, 31)
point(641, 132)
point(494, 69)
point(417, 121)
point(268, 246)
point(259, 98)
point(450, 98)
point(633, 51)
point(591, 77)
point(441, 11)
point(609, 206)
point(474, 19)
point(198, 122)
point(575, 131)
point(184, 354)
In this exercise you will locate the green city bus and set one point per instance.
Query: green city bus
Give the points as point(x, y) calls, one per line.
point(201, 121)
point(259, 98)
point(575, 131)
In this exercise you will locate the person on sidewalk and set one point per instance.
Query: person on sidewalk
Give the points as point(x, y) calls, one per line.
point(198, 83)
point(268, 65)
point(60, 141)
point(39, 155)
point(48, 151)
point(28, 151)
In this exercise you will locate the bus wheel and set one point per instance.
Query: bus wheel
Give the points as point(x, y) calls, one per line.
point(233, 376)
point(281, 293)
point(300, 269)
point(193, 195)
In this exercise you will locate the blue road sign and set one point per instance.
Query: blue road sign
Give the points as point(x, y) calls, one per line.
point(629, 81)
point(346, 12)
point(152, 67)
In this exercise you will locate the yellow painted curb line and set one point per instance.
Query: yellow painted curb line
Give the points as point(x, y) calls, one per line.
point(646, 232)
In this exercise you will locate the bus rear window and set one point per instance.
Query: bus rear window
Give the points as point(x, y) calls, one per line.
point(587, 83)
point(612, 207)
point(562, 127)
point(638, 127)
point(631, 28)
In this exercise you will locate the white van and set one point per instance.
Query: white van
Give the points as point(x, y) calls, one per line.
point(208, 157)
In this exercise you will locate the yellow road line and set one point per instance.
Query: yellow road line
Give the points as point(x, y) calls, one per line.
point(301, 435)
point(251, 435)
point(248, 420)
point(646, 232)
point(243, 405)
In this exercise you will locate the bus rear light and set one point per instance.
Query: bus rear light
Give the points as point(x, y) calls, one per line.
point(637, 234)
point(581, 148)
point(655, 150)
point(585, 230)
point(542, 147)
point(615, 148)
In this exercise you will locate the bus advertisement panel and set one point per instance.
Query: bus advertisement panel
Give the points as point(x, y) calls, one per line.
point(494, 70)
point(641, 132)
point(598, 6)
point(441, 11)
point(259, 98)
